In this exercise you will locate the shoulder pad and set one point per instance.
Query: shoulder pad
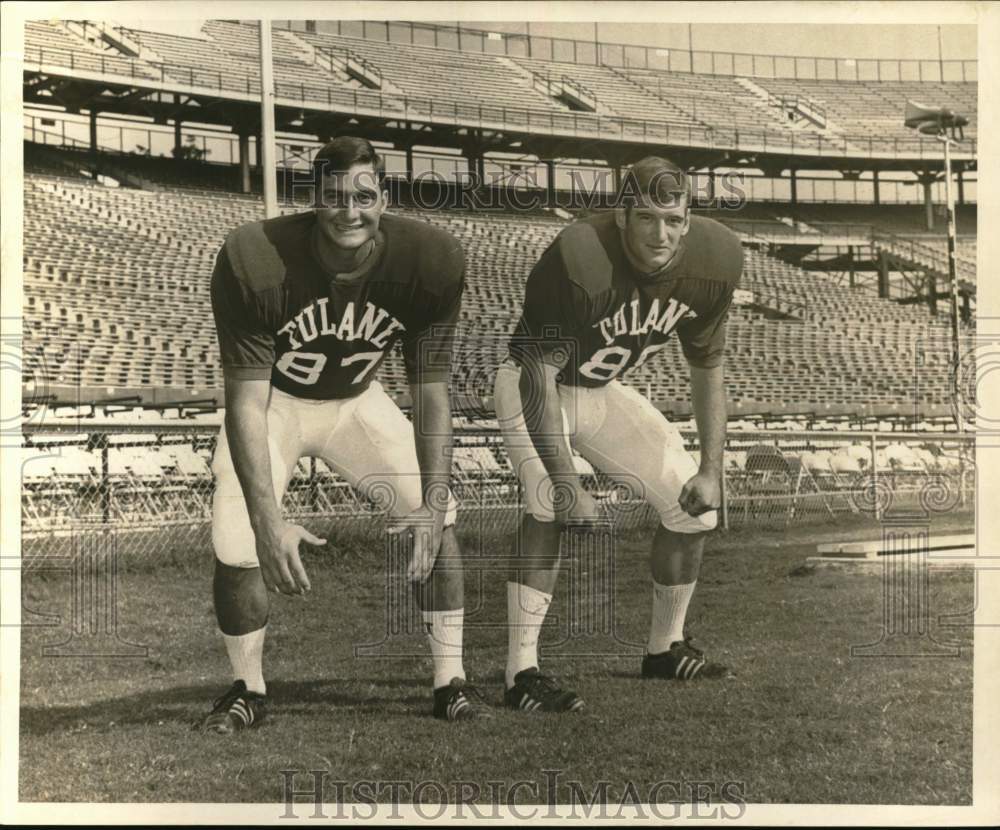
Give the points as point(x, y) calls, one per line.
point(437, 254)
point(585, 258)
point(254, 258)
point(720, 250)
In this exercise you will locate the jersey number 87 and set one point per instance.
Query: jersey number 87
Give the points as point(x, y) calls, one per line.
point(306, 367)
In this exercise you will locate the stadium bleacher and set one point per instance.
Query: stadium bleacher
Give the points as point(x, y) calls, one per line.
point(480, 86)
point(117, 295)
point(116, 278)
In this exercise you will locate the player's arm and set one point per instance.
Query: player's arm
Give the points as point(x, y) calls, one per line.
point(703, 344)
point(427, 355)
point(553, 305)
point(433, 439)
point(703, 492)
point(277, 540)
point(542, 412)
point(247, 350)
point(246, 431)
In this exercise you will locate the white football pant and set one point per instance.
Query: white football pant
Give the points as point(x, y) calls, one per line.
point(366, 440)
point(619, 432)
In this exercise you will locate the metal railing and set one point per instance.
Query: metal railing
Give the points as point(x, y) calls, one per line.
point(562, 86)
point(775, 230)
point(772, 478)
point(802, 104)
point(923, 254)
point(548, 122)
point(589, 52)
point(365, 69)
point(909, 248)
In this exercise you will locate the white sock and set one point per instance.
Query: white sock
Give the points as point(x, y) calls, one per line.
point(444, 633)
point(526, 609)
point(246, 655)
point(670, 604)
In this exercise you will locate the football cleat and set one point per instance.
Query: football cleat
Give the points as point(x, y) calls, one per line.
point(535, 692)
point(236, 710)
point(452, 702)
point(682, 662)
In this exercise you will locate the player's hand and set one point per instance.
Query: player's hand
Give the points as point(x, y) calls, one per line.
point(574, 506)
point(278, 554)
point(700, 494)
point(425, 527)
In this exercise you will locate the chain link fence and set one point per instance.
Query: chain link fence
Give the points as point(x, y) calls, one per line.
point(152, 485)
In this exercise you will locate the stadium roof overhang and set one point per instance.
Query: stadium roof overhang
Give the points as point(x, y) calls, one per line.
point(473, 131)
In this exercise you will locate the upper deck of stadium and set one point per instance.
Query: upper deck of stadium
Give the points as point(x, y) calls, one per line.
point(493, 87)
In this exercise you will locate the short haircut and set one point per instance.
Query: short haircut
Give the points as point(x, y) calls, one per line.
point(654, 180)
point(341, 154)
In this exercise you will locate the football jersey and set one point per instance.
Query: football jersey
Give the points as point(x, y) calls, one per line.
point(585, 298)
point(281, 315)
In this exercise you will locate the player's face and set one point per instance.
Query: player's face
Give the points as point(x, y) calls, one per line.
point(653, 234)
point(349, 207)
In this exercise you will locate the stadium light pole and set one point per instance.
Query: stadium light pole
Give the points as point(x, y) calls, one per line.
point(949, 198)
point(268, 167)
point(946, 126)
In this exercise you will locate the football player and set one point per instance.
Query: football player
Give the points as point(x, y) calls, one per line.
point(306, 308)
point(604, 297)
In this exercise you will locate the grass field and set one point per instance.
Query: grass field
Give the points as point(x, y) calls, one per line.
point(803, 722)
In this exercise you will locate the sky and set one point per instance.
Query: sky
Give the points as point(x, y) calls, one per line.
point(886, 41)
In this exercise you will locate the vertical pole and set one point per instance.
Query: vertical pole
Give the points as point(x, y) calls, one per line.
point(940, 56)
point(93, 131)
point(105, 481)
point(883, 274)
point(267, 121)
point(929, 200)
point(725, 501)
point(313, 486)
point(952, 279)
point(177, 138)
point(244, 162)
point(875, 502)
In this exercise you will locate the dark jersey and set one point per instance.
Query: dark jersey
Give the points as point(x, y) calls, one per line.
point(280, 315)
point(585, 298)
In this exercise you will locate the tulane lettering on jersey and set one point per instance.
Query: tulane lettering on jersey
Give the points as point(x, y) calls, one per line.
point(280, 316)
point(584, 298)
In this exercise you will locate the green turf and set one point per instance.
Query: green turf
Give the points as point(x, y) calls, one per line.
point(804, 722)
